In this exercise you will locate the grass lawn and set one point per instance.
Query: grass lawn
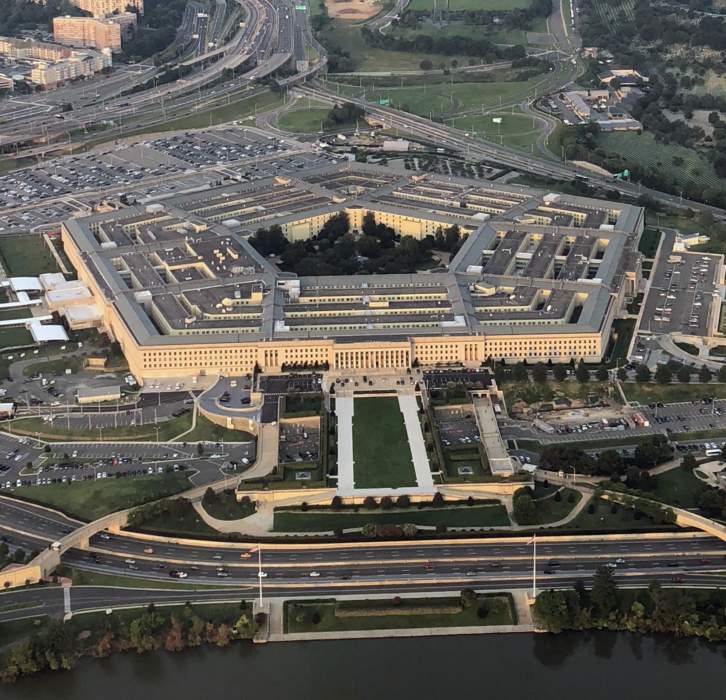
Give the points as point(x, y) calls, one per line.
point(17, 630)
point(299, 615)
point(678, 487)
point(649, 242)
point(441, 99)
point(515, 131)
point(95, 578)
point(616, 440)
point(450, 516)
point(207, 431)
point(303, 120)
point(643, 149)
point(168, 430)
point(26, 255)
point(381, 451)
point(226, 507)
point(604, 519)
point(621, 334)
point(220, 115)
point(16, 336)
point(700, 434)
point(549, 510)
point(89, 500)
point(672, 393)
point(187, 524)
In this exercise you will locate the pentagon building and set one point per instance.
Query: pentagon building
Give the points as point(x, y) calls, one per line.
point(541, 276)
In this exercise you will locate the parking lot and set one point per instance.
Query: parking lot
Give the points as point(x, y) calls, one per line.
point(682, 292)
point(456, 425)
point(298, 443)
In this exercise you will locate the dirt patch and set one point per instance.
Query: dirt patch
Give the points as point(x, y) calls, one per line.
point(352, 10)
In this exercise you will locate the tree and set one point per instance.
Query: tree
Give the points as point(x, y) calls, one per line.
point(426, 64)
point(610, 463)
point(468, 598)
point(582, 373)
point(684, 374)
point(622, 374)
point(663, 374)
point(689, 462)
point(553, 610)
point(601, 373)
point(722, 373)
point(604, 592)
point(642, 373)
point(519, 372)
point(560, 373)
point(525, 510)
point(539, 373)
point(704, 374)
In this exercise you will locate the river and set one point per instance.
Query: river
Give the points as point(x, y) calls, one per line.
point(506, 667)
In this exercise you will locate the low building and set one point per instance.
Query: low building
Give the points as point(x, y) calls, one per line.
point(86, 395)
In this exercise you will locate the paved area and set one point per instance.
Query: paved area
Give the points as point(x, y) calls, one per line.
point(409, 408)
point(344, 413)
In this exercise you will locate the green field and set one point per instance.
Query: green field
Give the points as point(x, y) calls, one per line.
point(89, 500)
point(516, 130)
point(299, 615)
point(15, 337)
point(649, 242)
point(532, 392)
point(380, 445)
point(550, 511)
point(205, 430)
point(672, 393)
point(303, 120)
point(55, 367)
point(476, 516)
point(221, 115)
point(168, 430)
point(603, 519)
point(490, 32)
point(678, 487)
point(439, 100)
point(644, 149)
point(26, 255)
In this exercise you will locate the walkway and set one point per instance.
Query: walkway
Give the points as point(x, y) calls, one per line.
point(409, 408)
point(344, 413)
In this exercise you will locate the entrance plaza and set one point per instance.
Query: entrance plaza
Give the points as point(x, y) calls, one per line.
point(381, 449)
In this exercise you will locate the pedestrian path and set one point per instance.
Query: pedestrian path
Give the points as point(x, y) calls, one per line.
point(344, 413)
point(409, 408)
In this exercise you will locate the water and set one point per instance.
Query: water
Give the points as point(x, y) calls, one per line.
point(507, 667)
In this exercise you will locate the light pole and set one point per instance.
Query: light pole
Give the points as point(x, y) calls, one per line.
point(534, 567)
point(260, 573)
point(574, 476)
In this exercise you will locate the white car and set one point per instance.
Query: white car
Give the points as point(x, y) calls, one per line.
point(314, 574)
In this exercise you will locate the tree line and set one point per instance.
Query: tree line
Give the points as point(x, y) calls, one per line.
point(656, 609)
point(60, 645)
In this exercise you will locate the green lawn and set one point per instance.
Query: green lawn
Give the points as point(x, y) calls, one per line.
point(17, 630)
point(549, 510)
point(205, 430)
point(15, 337)
point(451, 516)
point(516, 130)
point(380, 445)
point(649, 242)
point(89, 500)
point(643, 149)
point(226, 507)
point(26, 254)
point(221, 115)
point(303, 120)
point(168, 430)
point(187, 524)
point(95, 578)
point(603, 519)
point(671, 393)
point(299, 615)
point(678, 487)
point(700, 434)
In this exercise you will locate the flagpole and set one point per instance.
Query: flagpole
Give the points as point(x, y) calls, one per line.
point(259, 570)
point(534, 567)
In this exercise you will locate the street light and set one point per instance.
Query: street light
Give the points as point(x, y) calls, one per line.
point(533, 542)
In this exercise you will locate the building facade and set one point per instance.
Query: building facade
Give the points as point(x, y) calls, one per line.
point(87, 32)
